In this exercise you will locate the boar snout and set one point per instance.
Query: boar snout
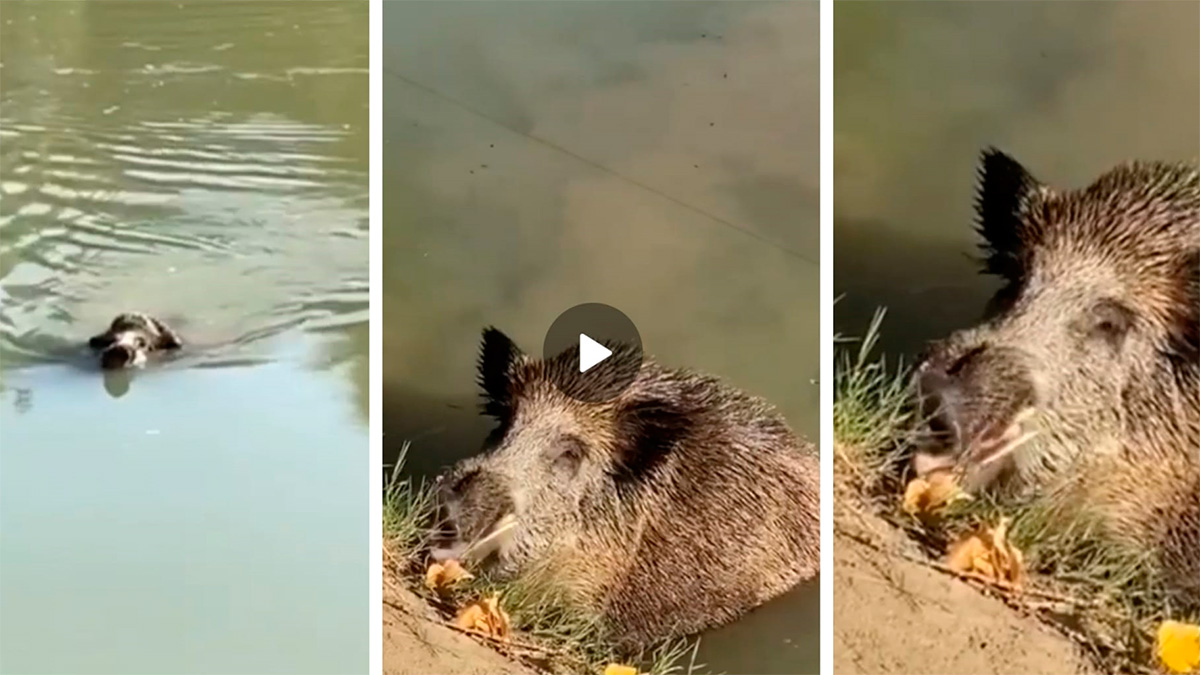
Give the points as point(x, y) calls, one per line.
point(941, 407)
point(118, 356)
point(973, 405)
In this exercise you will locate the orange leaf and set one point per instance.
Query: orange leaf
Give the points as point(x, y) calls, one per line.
point(987, 552)
point(441, 576)
point(925, 496)
point(1178, 646)
point(485, 616)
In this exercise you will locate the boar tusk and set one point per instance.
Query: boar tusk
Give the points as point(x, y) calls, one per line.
point(1007, 448)
point(492, 541)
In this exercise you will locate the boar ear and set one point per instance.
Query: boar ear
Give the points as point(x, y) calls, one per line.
point(102, 340)
point(1005, 190)
point(647, 430)
point(497, 356)
point(167, 338)
point(1185, 328)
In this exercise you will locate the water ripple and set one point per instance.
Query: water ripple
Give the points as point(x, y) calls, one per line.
point(250, 224)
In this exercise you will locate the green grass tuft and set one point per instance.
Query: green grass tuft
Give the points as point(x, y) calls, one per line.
point(677, 657)
point(871, 412)
point(408, 512)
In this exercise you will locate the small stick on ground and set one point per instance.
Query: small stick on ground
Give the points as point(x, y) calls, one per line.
point(504, 643)
point(1004, 586)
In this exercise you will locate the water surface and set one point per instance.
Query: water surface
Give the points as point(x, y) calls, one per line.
point(658, 157)
point(205, 163)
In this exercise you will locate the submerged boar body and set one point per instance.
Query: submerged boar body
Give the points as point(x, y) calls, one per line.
point(677, 506)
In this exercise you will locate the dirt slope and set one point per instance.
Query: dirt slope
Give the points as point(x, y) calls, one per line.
point(895, 616)
point(413, 644)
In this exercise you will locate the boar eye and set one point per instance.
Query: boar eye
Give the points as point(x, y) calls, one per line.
point(1110, 321)
point(568, 454)
point(462, 482)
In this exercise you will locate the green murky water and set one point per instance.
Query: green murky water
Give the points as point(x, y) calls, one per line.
point(207, 163)
point(1068, 89)
point(658, 157)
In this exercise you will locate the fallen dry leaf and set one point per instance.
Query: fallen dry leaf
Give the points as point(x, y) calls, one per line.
point(442, 576)
point(987, 552)
point(1178, 646)
point(925, 496)
point(484, 616)
point(618, 669)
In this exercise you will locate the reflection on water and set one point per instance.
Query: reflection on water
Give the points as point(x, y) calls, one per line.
point(1069, 89)
point(659, 157)
point(206, 163)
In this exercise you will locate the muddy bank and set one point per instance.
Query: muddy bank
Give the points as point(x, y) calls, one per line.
point(894, 615)
point(416, 643)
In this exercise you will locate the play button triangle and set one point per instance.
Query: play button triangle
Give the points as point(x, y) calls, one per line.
point(591, 353)
point(588, 335)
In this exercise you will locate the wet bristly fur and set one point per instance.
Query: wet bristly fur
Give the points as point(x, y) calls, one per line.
point(678, 505)
point(137, 332)
point(1097, 329)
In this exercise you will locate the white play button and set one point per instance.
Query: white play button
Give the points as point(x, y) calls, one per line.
point(602, 343)
point(591, 353)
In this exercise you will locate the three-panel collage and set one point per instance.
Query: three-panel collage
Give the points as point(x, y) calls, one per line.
point(599, 337)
